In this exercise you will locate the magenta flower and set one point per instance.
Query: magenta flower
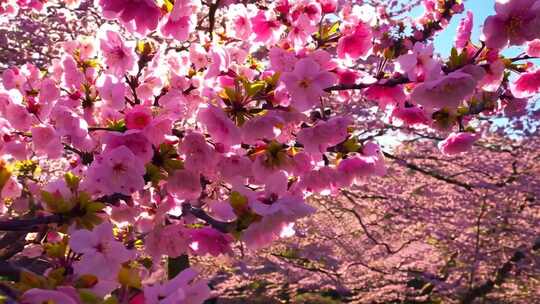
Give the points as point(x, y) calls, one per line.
point(47, 141)
point(182, 289)
point(533, 48)
point(356, 45)
point(134, 140)
point(369, 163)
point(219, 126)
point(301, 31)
point(419, 65)
point(446, 92)
point(516, 22)
point(99, 248)
point(185, 184)
point(526, 85)
point(116, 171)
point(265, 27)
point(181, 22)
point(210, 241)
point(39, 296)
point(464, 31)
point(281, 60)
point(112, 91)
point(239, 21)
point(457, 143)
point(144, 14)
point(306, 83)
point(138, 117)
point(119, 57)
point(323, 135)
point(170, 240)
point(386, 95)
point(410, 115)
point(199, 155)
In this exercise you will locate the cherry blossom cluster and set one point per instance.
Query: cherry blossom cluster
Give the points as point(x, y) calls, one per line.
point(188, 128)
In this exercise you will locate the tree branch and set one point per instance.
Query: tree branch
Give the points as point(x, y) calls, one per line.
point(30, 224)
point(358, 86)
point(501, 275)
point(224, 227)
point(429, 173)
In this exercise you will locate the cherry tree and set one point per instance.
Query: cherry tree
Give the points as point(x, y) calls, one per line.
point(142, 137)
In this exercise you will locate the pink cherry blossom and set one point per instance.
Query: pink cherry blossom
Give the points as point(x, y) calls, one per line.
point(46, 140)
point(410, 115)
point(48, 91)
point(464, 31)
point(182, 289)
point(158, 130)
point(301, 30)
point(526, 85)
point(39, 296)
point(515, 23)
point(419, 64)
point(385, 95)
point(494, 76)
point(457, 143)
point(323, 135)
point(356, 45)
point(112, 91)
point(143, 13)
point(138, 117)
point(181, 21)
point(170, 240)
point(18, 116)
point(446, 92)
point(259, 128)
point(98, 248)
point(239, 21)
point(185, 184)
point(265, 27)
point(219, 126)
point(306, 83)
point(11, 189)
point(199, 155)
point(282, 60)
point(234, 167)
point(116, 171)
point(369, 163)
point(533, 48)
point(207, 240)
point(132, 139)
point(119, 57)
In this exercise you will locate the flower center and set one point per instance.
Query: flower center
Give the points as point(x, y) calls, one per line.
point(304, 83)
point(119, 168)
point(513, 25)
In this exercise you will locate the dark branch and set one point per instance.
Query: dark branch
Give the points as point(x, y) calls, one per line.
point(30, 224)
point(224, 227)
point(385, 82)
point(501, 275)
point(429, 173)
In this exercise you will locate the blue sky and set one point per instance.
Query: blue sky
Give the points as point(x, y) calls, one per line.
point(444, 40)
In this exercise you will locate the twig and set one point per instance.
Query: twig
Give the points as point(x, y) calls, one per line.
point(30, 224)
point(224, 227)
point(429, 173)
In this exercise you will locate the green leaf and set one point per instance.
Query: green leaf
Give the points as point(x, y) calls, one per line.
point(330, 30)
point(72, 181)
point(253, 88)
point(87, 297)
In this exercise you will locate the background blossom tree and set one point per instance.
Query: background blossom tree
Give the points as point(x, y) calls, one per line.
point(304, 151)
